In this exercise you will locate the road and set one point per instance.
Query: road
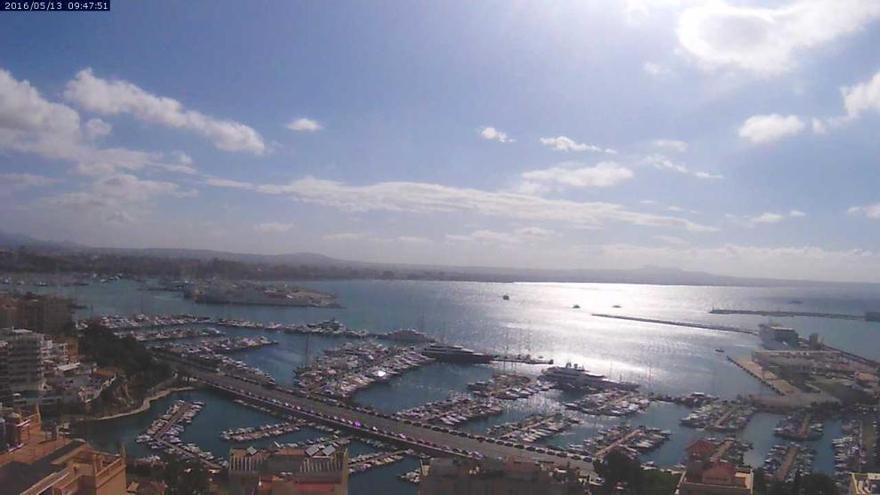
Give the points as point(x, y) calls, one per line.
point(424, 438)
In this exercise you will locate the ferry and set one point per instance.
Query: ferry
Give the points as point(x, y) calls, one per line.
point(576, 377)
point(455, 354)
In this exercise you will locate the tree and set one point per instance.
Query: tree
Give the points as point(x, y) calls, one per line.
point(186, 478)
point(617, 467)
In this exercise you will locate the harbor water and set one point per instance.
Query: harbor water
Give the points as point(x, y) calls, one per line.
point(539, 319)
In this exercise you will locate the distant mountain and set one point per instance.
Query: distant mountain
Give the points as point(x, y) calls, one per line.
point(10, 241)
point(318, 266)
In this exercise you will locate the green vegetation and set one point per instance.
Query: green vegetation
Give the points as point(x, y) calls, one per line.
point(140, 371)
point(810, 484)
point(186, 478)
point(623, 475)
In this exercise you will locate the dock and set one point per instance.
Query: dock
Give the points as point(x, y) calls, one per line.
point(788, 396)
point(677, 323)
point(787, 314)
point(520, 358)
point(787, 463)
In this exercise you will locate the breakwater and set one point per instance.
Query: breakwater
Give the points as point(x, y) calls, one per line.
point(689, 324)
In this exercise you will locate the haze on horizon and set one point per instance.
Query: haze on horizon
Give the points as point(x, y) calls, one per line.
point(733, 137)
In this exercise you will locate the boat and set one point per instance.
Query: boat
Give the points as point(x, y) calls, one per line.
point(505, 297)
point(616, 306)
point(455, 354)
point(718, 349)
point(576, 306)
point(572, 376)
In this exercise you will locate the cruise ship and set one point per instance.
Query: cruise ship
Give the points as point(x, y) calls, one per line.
point(572, 376)
point(455, 354)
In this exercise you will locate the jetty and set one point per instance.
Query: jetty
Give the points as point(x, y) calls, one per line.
point(787, 314)
point(689, 324)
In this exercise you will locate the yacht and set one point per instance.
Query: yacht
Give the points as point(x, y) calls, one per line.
point(576, 377)
point(455, 354)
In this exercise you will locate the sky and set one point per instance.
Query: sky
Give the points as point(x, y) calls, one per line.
point(735, 137)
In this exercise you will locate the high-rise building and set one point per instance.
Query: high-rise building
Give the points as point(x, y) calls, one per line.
point(43, 313)
point(34, 462)
point(289, 471)
point(24, 357)
point(498, 476)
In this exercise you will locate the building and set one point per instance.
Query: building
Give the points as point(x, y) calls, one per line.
point(706, 475)
point(776, 337)
point(34, 462)
point(24, 358)
point(498, 476)
point(8, 310)
point(288, 471)
point(44, 313)
point(864, 483)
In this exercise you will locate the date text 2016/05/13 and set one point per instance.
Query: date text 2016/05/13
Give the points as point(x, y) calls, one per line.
point(54, 6)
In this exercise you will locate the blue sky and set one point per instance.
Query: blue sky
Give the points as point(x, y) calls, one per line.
point(733, 137)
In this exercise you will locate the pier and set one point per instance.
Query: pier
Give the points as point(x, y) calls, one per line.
point(787, 462)
point(688, 324)
point(787, 314)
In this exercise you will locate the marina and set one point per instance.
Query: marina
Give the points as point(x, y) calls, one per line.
point(345, 370)
point(455, 410)
point(784, 461)
point(533, 428)
point(249, 434)
point(632, 440)
point(507, 386)
point(611, 403)
point(720, 416)
point(402, 392)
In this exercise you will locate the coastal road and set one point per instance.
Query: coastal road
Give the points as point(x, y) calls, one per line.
point(422, 438)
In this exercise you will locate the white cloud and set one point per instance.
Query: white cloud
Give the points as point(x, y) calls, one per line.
point(766, 218)
point(671, 145)
point(761, 129)
point(562, 143)
point(31, 124)
point(304, 124)
point(574, 174)
point(654, 69)
point(120, 198)
point(427, 198)
point(17, 182)
point(97, 128)
point(521, 235)
point(113, 97)
point(663, 163)
point(273, 227)
point(862, 97)
point(767, 41)
point(871, 211)
point(411, 239)
point(818, 126)
point(493, 134)
point(671, 240)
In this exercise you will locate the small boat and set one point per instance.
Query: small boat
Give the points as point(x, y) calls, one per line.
point(576, 306)
point(505, 297)
point(616, 306)
point(718, 349)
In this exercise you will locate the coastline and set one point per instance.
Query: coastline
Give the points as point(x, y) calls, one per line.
point(144, 405)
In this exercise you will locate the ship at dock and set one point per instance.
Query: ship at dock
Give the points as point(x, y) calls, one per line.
point(456, 354)
point(574, 377)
